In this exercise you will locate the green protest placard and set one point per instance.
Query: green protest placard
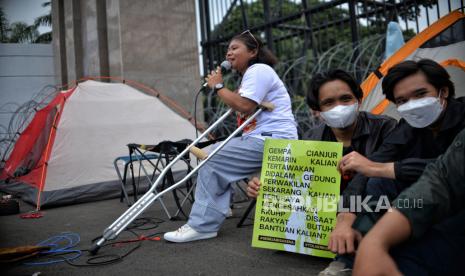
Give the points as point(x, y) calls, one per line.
point(297, 205)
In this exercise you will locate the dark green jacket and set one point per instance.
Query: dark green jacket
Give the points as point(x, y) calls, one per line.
point(441, 189)
point(437, 195)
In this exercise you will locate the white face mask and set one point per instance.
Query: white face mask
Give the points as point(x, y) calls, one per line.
point(340, 116)
point(422, 112)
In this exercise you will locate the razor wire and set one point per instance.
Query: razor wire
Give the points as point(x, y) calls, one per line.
point(21, 116)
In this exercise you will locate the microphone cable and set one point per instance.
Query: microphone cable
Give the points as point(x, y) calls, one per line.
point(225, 67)
point(195, 111)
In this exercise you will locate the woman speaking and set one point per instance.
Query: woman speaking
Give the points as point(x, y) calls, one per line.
point(242, 156)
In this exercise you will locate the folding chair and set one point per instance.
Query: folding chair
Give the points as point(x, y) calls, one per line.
point(252, 204)
point(157, 156)
point(127, 161)
point(246, 213)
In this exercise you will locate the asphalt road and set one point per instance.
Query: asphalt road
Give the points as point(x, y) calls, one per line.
point(228, 254)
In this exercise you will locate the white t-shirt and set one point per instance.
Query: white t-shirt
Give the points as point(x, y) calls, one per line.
point(260, 83)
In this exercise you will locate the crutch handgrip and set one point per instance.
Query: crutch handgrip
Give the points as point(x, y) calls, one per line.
point(268, 106)
point(199, 153)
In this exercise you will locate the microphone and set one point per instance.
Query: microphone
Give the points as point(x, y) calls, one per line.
point(225, 67)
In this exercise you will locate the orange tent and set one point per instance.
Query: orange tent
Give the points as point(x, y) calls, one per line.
point(443, 41)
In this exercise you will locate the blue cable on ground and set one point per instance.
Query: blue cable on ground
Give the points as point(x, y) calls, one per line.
point(61, 245)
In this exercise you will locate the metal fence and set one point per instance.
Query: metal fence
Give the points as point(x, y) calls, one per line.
point(309, 36)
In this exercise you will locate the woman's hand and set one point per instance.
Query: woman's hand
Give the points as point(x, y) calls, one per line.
point(214, 77)
point(253, 187)
point(233, 100)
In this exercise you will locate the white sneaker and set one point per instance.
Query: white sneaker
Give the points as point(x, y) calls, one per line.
point(186, 234)
point(336, 268)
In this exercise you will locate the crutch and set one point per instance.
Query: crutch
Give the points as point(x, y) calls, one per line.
point(112, 231)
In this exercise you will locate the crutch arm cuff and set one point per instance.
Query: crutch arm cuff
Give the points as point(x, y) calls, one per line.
point(267, 105)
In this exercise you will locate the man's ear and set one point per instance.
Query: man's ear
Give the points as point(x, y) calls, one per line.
point(315, 113)
point(444, 92)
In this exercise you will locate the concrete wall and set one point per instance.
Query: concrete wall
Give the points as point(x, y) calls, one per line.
point(24, 70)
point(152, 42)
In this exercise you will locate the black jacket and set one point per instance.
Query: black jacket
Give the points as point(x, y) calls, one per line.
point(411, 149)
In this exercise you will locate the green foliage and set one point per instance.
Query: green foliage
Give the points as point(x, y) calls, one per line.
point(44, 38)
point(44, 20)
point(20, 32)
